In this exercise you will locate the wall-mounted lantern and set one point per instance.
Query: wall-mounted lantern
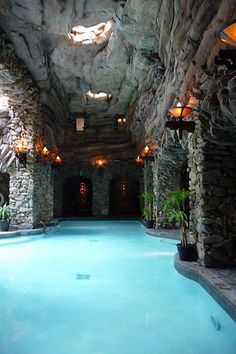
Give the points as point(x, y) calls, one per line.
point(43, 155)
point(228, 32)
point(100, 163)
point(58, 160)
point(21, 153)
point(227, 35)
point(180, 112)
point(139, 159)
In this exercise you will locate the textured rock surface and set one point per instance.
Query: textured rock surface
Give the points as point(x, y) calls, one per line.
point(66, 71)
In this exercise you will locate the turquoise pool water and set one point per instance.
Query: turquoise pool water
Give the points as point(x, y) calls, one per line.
point(104, 288)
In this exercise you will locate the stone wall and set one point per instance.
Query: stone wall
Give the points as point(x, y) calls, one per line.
point(21, 121)
point(212, 176)
point(101, 184)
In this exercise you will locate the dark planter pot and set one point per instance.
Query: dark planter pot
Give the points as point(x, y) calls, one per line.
point(186, 253)
point(4, 225)
point(148, 223)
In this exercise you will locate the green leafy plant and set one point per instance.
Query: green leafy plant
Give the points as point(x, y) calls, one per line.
point(174, 209)
point(147, 213)
point(149, 198)
point(5, 212)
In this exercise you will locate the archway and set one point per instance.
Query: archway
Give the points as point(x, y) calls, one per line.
point(124, 197)
point(77, 197)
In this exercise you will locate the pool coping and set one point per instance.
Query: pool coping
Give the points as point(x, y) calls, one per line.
point(21, 232)
point(219, 289)
point(215, 286)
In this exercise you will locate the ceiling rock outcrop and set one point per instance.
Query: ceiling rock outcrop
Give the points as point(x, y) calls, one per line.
point(75, 50)
point(139, 54)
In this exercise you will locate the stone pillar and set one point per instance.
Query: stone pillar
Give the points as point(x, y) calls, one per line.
point(43, 193)
point(21, 196)
point(101, 194)
point(148, 176)
point(213, 200)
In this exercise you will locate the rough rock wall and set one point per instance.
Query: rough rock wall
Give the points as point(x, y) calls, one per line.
point(187, 41)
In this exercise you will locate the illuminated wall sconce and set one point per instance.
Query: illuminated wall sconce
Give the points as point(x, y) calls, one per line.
point(100, 163)
point(139, 160)
point(43, 155)
point(21, 153)
point(57, 161)
point(227, 34)
point(179, 112)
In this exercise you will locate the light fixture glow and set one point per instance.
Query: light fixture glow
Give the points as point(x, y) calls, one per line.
point(45, 151)
point(228, 33)
point(58, 160)
point(180, 111)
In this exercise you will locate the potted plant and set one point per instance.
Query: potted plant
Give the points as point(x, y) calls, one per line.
point(147, 211)
point(5, 217)
point(175, 210)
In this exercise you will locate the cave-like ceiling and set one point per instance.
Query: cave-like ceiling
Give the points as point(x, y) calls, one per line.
point(89, 58)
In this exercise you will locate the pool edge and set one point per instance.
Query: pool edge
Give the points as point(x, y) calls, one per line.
point(221, 292)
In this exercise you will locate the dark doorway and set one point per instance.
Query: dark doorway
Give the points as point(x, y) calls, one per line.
point(77, 197)
point(184, 176)
point(124, 197)
point(4, 188)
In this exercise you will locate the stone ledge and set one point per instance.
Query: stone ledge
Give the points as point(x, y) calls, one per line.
point(16, 233)
point(219, 289)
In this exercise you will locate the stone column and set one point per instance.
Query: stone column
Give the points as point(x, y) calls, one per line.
point(21, 196)
point(43, 192)
point(213, 202)
point(101, 194)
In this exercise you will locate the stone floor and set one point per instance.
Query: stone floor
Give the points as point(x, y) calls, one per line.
point(220, 283)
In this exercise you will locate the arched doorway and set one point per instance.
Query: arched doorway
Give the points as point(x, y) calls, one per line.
point(124, 197)
point(77, 197)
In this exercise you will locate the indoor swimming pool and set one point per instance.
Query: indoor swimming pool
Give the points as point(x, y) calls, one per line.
point(104, 287)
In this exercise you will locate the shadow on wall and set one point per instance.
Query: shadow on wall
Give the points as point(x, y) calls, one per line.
point(77, 197)
point(124, 197)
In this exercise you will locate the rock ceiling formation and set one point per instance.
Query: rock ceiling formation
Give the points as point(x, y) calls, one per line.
point(109, 58)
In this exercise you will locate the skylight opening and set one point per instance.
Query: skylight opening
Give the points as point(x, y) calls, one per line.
point(101, 96)
point(89, 35)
